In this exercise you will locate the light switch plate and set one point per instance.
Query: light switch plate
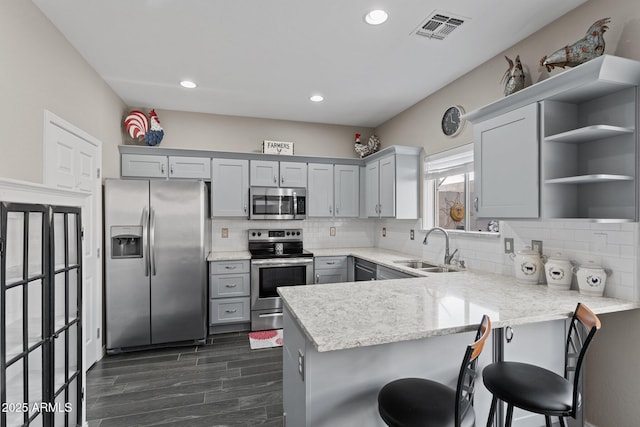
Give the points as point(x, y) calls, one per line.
point(384, 231)
point(224, 233)
point(412, 235)
point(332, 231)
point(508, 245)
point(536, 245)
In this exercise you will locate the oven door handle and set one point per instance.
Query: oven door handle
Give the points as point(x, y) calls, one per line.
point(281, 262)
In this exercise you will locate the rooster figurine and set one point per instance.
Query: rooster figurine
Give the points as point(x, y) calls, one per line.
point(513, 78)
point(589, 47)
point(364, 150)
point(137, 125)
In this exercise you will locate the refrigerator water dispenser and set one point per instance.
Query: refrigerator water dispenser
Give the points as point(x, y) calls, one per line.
point(126, 241)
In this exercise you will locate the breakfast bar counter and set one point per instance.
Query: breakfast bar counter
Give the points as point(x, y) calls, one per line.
point(344, 341)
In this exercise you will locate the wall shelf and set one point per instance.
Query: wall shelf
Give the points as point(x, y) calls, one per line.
point(588, 133)
point(589, 179)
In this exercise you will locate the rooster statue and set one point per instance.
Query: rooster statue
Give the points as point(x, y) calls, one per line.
point(137, 125)
point(589, 47)
point(371, 147)
point(513, 78)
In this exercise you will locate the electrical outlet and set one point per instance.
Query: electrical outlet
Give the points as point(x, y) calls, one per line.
point(508, 245)
point(224, 233)
point(412, 235)
point(384, 231)
point(536, 245)
point(332, 231)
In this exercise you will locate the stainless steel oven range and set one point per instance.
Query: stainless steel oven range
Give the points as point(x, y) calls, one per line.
point(277, 259)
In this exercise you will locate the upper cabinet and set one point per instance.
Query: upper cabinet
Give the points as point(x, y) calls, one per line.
point(392, 183)
point(334, 190)
point(506, 165)
point(269, 173)
point(582, 124)
point(158, 166)
point(230, 188)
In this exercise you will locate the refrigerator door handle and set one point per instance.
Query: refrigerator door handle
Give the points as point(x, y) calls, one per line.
point(152, 241)
point(145, 240)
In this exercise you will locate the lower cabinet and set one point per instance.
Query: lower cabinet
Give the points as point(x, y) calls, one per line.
point(330, 269)
point(385, 273)
point(229, 296)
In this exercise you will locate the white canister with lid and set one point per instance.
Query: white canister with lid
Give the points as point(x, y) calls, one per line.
point(527, 266)
point(591, 279)
point(558, 271)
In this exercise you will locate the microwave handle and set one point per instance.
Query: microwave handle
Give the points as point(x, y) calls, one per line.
point(295, 204)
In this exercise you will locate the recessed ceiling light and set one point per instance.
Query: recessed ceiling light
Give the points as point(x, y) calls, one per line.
point(317, 98)
point(188, 84)
point(376, 17)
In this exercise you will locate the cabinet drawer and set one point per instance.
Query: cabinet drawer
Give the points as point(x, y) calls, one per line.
point(330, 262)
point(226, 267)
point(229, 285)
point(229, 310)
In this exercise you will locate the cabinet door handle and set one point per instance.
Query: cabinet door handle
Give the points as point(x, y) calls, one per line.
point(231, 311)
point(162, 168)
point(330, 210)
point(508, 334)
point(475, 204)
point(231, 285)
point(171, 170)
point(317, 278)
point(331, 262)
point(230, 267)
point(337, 210)
point(275, 179)
point(282, 179)
point(245, 208)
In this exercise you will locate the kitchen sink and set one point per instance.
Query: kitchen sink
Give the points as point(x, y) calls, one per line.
point(425, 266)
point(416, 264)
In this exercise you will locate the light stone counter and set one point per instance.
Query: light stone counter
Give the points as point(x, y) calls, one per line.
point(340, 316)
point(228, 255)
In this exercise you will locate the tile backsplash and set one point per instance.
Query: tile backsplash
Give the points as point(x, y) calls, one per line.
point(614, 246)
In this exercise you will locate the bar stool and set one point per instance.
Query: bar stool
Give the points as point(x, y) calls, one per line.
point(409, 402)
point(539, 390)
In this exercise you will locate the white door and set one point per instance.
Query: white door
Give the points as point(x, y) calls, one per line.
point(320, 190)
point(72, 160)
point(229, 187)
point(387, 187)
point(347, 190)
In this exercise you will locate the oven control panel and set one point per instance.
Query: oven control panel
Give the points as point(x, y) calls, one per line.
point(266, 235)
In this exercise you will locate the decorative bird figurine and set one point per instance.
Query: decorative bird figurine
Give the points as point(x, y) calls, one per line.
point(589, 47)
point(371, 147)
point(513, 78)
point(137, 125)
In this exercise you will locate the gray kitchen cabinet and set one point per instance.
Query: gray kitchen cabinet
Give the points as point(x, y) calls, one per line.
point(320, 190)
point(270, 173)
point(330, 269)
point(566, 147)
point(229, 296)
point(506, 165)
point(392, 182)
point(385, 273)
point(230, 188)
point(158, 166)
point(189, 167)
point(144, 166)
point(346, 181)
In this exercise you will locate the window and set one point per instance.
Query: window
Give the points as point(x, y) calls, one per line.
point(449, 192)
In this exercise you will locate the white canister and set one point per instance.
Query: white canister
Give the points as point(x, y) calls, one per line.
point(591, 279)
point(558, 272)
point(527, 266)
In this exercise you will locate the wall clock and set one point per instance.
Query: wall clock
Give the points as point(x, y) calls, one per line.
point(452, 122)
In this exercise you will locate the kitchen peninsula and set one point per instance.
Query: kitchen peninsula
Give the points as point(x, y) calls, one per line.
point(344, 341)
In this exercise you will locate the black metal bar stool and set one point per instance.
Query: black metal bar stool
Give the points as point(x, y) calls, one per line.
point(539, 390)
point(409, 402)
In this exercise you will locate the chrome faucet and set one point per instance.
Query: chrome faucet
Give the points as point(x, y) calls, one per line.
point(447, 257)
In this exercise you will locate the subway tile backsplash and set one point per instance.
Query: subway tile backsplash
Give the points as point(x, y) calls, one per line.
point(614, 246)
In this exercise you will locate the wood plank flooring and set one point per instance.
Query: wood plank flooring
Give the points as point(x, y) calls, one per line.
point(223, 383)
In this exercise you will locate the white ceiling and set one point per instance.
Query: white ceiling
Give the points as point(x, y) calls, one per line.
point(264, 58)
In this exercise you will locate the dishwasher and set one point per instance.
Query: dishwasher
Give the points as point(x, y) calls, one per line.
point(364, 270)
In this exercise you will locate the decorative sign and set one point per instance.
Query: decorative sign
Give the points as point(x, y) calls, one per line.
point(277, 147)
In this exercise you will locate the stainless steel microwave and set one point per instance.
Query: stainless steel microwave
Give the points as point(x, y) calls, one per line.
point(277, 203)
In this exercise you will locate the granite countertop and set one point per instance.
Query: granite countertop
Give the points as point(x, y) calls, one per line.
point(228, 255)
point(339, 316)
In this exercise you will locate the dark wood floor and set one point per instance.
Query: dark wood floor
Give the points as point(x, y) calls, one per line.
point(220, 384)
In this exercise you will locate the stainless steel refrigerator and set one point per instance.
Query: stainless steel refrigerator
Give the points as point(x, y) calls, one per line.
point(155, 272)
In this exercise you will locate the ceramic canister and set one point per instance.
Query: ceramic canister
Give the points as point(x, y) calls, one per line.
point(558, 272)
point(591, 278)
point(527, 266)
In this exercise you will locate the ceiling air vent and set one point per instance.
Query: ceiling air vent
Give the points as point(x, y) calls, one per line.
point(439, 25)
